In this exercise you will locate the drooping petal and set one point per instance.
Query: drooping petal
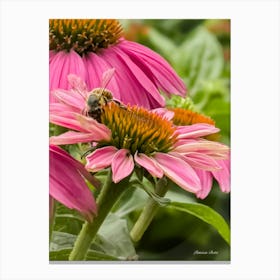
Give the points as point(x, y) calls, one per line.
point(181, 142)
point(155, 66)
point(211, 148)
point(178, 171)
point(72, 137)
point(149, 164)
point(196, 130)
point(68, 193)
point(138, 75)
point(201, 161)
point(223, 175)
point(206, 183)
point(78, 165)
point(100, 158)
point(61, 64)
point(68, 186)
point(131, 91)
point(122, 165)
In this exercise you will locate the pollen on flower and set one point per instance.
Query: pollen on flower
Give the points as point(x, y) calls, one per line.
point(189, 117)
point(137, 129)
point(83, 35)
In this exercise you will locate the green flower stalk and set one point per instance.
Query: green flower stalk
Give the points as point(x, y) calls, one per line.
point(149, 211)
point(108, 196)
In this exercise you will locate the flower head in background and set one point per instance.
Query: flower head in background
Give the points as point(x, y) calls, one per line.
point(184, 117)
point(188, 117)
point(67, 183)
point(89, 47)
point(135, 136)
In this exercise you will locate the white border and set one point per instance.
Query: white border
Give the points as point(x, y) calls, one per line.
point(255, 138)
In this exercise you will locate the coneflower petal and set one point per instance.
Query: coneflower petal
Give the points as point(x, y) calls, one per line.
point(91, 125)
point(206, 183)
point(159, 67)
point(95, 66)
point(122, 165)
point(196, 130)
point(62, 64)
point(212, 148)
point(67, 185)
point(178, 171)
point(66, 119)
point(60, 109)
point(164, 113)
point(130, 92)
point(138, 75)
point(73, 137)
point(76, 101)
point(223, 175)
point(149, 164)
point(101, 158)
point(78, 165)
point(202, 161)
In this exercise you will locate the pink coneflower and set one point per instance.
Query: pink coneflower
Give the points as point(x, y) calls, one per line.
point(183, 117)
point(89, 47)
point(140, 137)
point(67, 183)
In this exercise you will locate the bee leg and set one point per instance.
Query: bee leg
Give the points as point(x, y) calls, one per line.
point(117, 102)
point(120, 104)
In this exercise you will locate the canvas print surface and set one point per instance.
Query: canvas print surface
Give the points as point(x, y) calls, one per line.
point(139, 140)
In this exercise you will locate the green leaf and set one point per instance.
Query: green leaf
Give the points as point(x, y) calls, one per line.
point(206, 214)
point(179, 196)
point(113, 239)
point(132, 200)
point(60, 255)
point(199, 58)
point(61, 241)
point(149, 189)
point(209, 89)
point(162, 43)
point(112, 242)
point(67, 220)
point(93, 255)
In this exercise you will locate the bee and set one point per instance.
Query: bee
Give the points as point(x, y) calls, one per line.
point(100, 97)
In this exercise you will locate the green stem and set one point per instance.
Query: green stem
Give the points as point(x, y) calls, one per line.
point(148, 212)
point(109, 194)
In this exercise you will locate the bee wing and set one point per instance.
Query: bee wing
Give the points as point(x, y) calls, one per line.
point(106, 77)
